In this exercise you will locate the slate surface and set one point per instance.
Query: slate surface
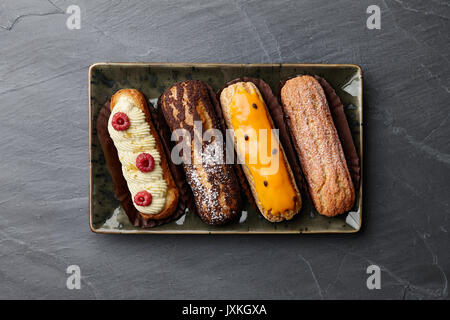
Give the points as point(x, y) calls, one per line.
point(44, 155)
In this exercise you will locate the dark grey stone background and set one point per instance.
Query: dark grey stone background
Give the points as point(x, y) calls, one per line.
point(44, 150)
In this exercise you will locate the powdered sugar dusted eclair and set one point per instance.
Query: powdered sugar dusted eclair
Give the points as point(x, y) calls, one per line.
point(318, 146)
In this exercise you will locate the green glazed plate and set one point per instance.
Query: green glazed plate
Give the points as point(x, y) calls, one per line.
point(105, 213)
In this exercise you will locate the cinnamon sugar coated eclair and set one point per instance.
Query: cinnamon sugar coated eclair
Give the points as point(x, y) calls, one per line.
point(213, 183)
point(318, 146)
point(144, 165)
point(264, 161)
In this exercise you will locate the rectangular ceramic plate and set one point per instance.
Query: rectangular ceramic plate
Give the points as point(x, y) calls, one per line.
point(105, 79)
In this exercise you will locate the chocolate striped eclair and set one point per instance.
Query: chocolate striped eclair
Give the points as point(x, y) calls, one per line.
point(213, 183)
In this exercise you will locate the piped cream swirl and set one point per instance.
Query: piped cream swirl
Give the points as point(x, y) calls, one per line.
point(130, 143)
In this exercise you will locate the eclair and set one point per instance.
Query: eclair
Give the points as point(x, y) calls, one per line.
point(142, 179)
point(318, 145)
point(260, 152)
point(214, 184)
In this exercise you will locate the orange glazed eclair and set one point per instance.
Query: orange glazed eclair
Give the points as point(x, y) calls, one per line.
point(263, 159)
